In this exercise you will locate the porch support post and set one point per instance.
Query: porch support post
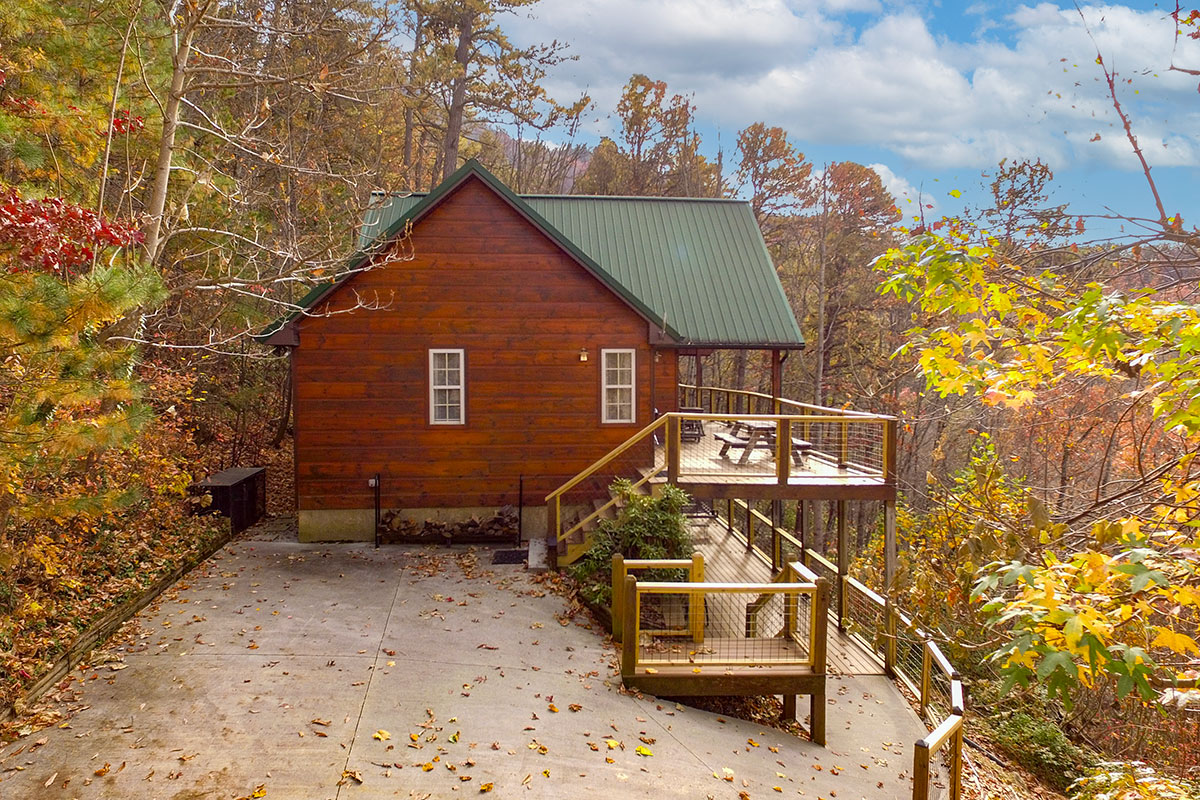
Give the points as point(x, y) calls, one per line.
point(776, 379)
point(843, 563)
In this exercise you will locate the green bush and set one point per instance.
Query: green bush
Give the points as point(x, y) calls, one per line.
point(645, 527)
point(1042, 748)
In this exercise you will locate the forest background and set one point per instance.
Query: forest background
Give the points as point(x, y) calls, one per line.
point(175, 174)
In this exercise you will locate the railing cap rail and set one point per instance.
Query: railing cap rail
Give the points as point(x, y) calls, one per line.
point(797, 403)
point(680, 587)
point(941, 734)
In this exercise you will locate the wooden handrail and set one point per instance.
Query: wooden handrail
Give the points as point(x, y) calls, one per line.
point(621, 567)
point(612, 454)
point(781, 400)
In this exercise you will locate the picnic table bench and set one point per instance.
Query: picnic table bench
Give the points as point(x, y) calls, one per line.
point(759, 438)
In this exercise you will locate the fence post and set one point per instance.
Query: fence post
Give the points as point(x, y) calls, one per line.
point(956, 754)
point(783, 451)
point(629, 641)
point(819, 625)
point(844, 450)
point(890, 629)
point(618, 595)
point(921, 770)
point(696, 603)
point(672, 445)
point(843, 564)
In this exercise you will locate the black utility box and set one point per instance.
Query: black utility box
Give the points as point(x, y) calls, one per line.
point(239, 493)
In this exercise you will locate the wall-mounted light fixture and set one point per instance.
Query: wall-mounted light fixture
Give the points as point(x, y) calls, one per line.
point(583, 355)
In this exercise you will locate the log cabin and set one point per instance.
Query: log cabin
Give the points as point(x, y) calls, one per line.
point(484, 347)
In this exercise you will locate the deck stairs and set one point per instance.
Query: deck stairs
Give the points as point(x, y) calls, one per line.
point(575, 546)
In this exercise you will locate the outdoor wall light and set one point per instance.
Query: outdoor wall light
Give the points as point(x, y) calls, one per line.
point(583, 354)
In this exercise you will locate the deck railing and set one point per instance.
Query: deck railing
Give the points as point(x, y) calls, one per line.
point(855, 439)
point(696, 638)
point(904, 650)
point(685, 447)
point(622, 566)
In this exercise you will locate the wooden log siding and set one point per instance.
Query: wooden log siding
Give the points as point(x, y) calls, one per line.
point(485, 280)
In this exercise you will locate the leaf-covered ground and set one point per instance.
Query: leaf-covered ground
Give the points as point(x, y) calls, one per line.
point(314, 671)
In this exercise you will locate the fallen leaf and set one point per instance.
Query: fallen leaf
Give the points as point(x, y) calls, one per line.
point(485, 787)
point(50, 780)
point(381, 735)
point(103, 770)
point(427, 767)
point(320, 722)
point(643, 751)
point(353, 774)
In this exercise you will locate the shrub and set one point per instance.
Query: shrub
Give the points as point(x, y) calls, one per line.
point(645, 527)
point(1042, 748)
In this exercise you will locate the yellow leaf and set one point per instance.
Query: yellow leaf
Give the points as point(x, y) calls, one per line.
point(485, 787)
point(1178, 642)
point(381, 735)
point(553, 708)
point(613, 744)
point(427, 767)
point(643, 751)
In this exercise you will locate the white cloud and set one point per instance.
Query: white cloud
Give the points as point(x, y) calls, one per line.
point(892, 83)
point(908, 198)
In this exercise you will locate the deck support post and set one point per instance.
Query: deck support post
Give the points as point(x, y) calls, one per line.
point(696, 599)
point(843, 563)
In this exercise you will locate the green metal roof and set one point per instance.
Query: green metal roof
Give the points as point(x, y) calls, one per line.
point(696, 267)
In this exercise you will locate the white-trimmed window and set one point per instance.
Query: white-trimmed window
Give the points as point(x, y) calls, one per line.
point(617, 369)
point(446, 387)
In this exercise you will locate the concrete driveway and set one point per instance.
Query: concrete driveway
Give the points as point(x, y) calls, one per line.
point(284, 670)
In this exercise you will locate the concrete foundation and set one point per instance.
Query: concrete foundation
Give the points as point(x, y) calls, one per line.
point(337, 525)
point(358, 524)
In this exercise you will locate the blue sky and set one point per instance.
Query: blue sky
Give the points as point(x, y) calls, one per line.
point(932, 94)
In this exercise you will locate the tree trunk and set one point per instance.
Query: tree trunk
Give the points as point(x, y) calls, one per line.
point(819, 365)
point(166, 141)
point(458, 94)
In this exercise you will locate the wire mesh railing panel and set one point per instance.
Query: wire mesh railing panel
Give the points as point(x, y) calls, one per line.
point(746, 446)
point(909, 655)
point(692, 626)
point(867, 617)
point(582, 506)
point(939, 701)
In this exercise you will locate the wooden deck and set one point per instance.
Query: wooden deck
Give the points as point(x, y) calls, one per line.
point(705, 473)
point(726, 560)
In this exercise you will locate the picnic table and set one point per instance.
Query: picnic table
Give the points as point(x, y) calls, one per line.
point(759, 434)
